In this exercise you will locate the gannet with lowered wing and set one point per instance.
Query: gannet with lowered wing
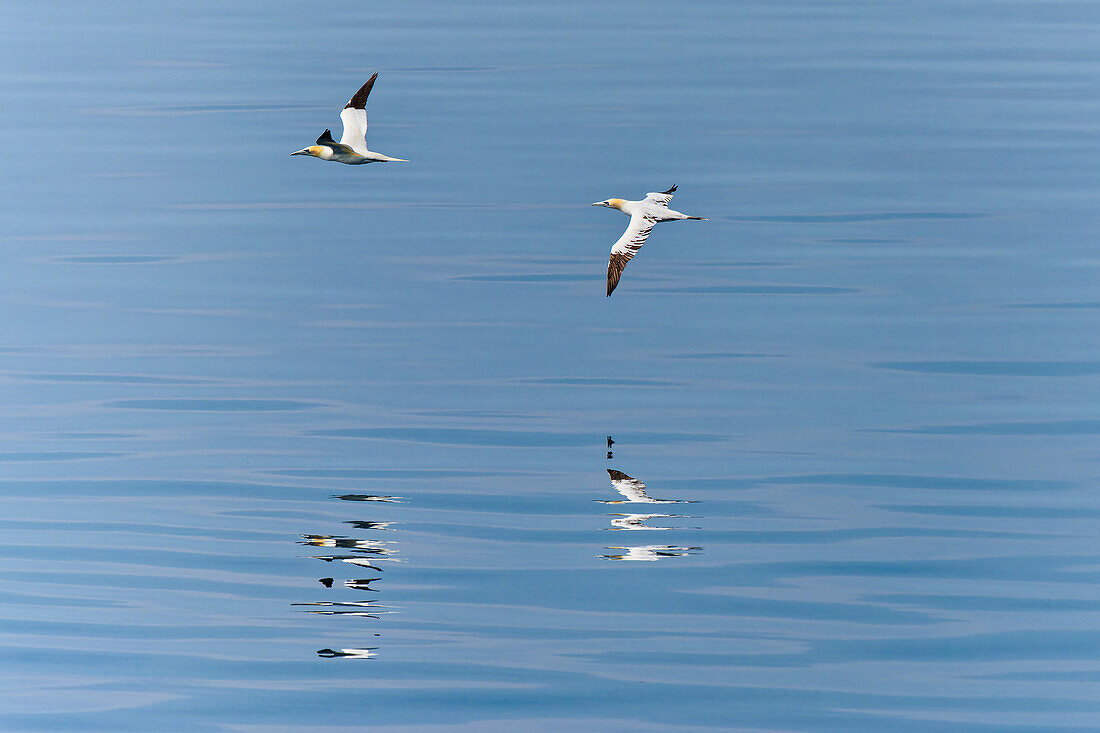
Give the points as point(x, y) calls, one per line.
point(352, 148)
point(643, 215)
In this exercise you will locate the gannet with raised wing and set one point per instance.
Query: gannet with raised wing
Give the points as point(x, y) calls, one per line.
point(352, 148)
point(643, 215)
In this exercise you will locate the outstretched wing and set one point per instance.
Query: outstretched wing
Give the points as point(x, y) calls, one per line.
point(625, 249)
point(354, 117)
point(631, 488)
point(662, 198)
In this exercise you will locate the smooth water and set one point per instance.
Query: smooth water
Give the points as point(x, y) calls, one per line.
point(295, 446)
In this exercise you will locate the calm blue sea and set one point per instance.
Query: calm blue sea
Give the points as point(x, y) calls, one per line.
point(295, 446)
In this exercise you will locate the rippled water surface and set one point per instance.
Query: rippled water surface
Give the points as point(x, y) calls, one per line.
point(294, 446)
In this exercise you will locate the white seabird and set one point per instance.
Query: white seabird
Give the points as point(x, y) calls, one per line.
point(643, 215)
point(352, 148)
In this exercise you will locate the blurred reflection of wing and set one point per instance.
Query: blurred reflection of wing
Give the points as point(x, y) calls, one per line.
point(367, 562)
point(631, 488)
point(349, 653)
point(367, 609)
point(363, 562)
point(361, 584)
point(637, 521)
point(650, 553)
point(633, 491)
point(377, 547)
point(369, 497)
point(368, 525)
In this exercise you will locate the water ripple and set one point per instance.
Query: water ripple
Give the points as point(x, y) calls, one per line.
point(996, 368)
point(215, 405)
point(504, 438)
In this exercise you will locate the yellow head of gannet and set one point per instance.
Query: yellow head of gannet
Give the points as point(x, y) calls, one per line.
point(324, 148)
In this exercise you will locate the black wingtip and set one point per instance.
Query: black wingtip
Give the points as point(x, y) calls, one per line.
point(359, 101)
point(326, 137)
point(671, 190)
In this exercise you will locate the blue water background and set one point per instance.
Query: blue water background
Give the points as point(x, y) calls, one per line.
point(874, 371)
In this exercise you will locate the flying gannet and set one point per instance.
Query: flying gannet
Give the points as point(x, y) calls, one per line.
point(352, 148)
point(643, 215)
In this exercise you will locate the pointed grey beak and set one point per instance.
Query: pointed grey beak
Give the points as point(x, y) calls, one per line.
point(303, 151)
point(598, 203)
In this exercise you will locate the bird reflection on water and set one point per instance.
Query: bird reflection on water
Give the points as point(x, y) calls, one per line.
point(360, 552)
point(361, 584)
point(371, 547)
point(367, 653)
point(369, 497)
point(633, 491)
point(650, 553)
point(366, 609)
point(638, 521)
point(357, 524)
